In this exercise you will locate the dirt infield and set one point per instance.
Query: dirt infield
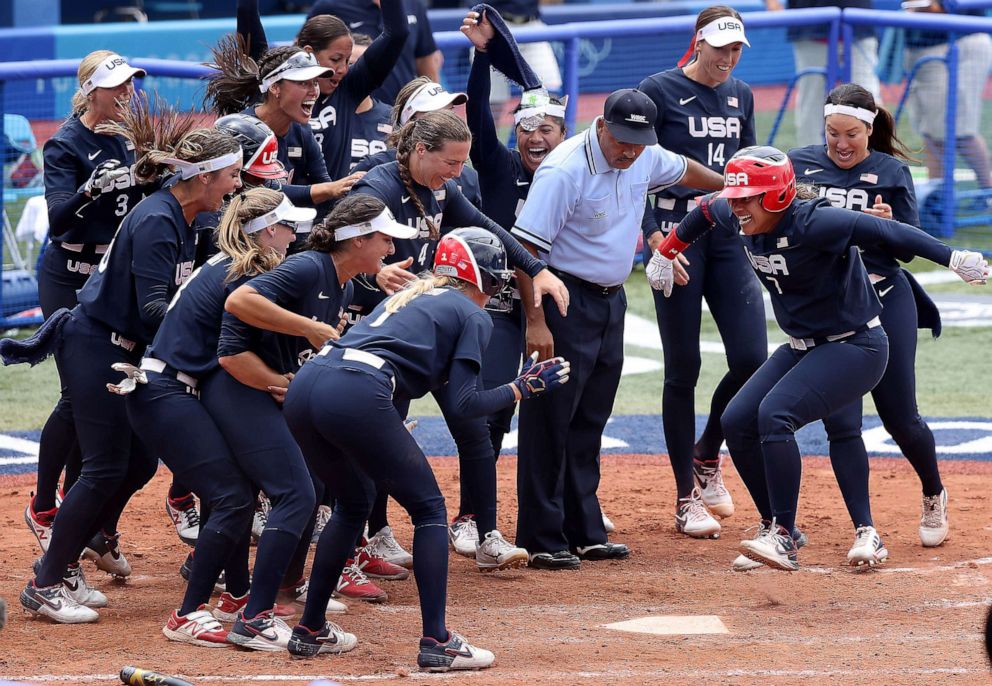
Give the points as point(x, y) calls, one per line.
point(918, 620)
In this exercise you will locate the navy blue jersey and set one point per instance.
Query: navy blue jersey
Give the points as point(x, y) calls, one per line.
point(306, 284)
point(468, 182)
point(422, 340)
point(149, 259)
point(448, 208)
point(503, 180)
point(856, 188)
point(369, 134)
point(703, 123)
point(363, 16)
point(334, 121)
point(187, 338)
point(71, 155)
point(811, 265)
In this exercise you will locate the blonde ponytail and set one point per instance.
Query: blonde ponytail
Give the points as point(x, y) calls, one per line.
point(248, 258)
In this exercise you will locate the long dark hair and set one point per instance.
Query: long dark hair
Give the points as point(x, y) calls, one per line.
point(321, 31)
point(235, 87)
point(702, 19)
point(883, 136)
point(353, 209)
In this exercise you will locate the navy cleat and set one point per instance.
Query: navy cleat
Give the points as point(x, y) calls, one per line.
point(455, 653)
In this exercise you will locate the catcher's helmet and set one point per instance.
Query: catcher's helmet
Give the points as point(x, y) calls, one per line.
point(258, 143)
point(760, 170)
point(477, 256)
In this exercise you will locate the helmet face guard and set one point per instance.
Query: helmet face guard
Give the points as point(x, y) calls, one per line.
point(477, 256)
point(760, 170)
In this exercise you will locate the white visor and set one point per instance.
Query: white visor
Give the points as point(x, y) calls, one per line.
point(300, 66)
point(384, 223)
point(723, 31)
point(111, 73)
point(300, 219)
point(187, 170)
point(861, 113)
point(429, 98)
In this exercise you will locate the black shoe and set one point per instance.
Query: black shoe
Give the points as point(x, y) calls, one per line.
point(560, 560)
point(603, 551)
point(187, 569)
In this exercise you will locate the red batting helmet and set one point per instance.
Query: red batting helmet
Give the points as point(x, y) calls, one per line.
point(258, 143)
point(760, 170)
point(477, 256)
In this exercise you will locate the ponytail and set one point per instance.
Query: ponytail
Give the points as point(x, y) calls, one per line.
point(87, 66)
point(883, 136)
point(248, 258)
point(353, 209)
point(423, 284)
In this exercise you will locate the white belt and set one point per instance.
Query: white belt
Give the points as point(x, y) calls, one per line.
point(355, 355)
point(806, 343)
point(100, 248)
point(150, 364)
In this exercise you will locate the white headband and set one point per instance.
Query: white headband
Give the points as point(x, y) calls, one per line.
point(187, 170)
point(112, 72)
point(730, 28)
point(429, 98)
point(299, 218)
point(300, 66)
point(384, 223)
point(861, 113)
point(549, 110)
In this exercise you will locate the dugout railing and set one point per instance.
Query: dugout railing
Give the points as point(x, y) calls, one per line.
point(948, 205)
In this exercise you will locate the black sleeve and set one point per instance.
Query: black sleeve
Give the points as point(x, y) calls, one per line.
point(365, 164)
point(693, 226)
point(250, 28)
point(154, 264)
point(62, 195)
point(748, 136)
point(298, 195)
point(372, 68)
point(464, 395)
point(460, 212)
point(488, 152)
point(904, 207)
point(316, 166)
point(901, 240)
point(649, 223)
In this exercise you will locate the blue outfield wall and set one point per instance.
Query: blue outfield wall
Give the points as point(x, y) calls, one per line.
point(605, 64)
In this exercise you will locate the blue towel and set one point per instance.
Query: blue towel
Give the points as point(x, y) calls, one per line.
point(38, 347)
point(504, 53)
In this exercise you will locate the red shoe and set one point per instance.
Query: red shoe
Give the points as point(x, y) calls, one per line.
point(228, 607)
point(198, 628)
point(378, 568)
point(355, 585)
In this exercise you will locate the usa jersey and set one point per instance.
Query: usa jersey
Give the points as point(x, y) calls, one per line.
point(468, 182)
point(705, 124)
point(422, 340)
point(151, 256)
point(300, 154)
point(372, 127)
point(856, 188)
point(334, 120)
point(187, 339)
point(71, 155)
point(306, 284)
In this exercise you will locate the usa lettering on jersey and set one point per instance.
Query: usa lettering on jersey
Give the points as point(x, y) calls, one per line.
point(768, 264)
point(183, 272)
point(361, 147)
point(715, 127)
point(326, 117)
point(79, 267)
point(850, 198)
point(420, 223)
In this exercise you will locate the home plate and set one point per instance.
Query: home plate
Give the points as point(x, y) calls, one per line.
point(672, 625)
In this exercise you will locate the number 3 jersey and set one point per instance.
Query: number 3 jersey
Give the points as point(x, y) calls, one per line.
point(705, 124)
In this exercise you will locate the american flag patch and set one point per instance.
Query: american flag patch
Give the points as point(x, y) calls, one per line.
point(869, 178)
point(731, 101)
point(782, 242)
point(384, 128)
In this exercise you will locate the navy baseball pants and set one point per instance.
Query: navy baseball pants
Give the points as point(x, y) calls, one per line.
point(790, 390)
point(344, 417)
point(115, 464)
point(561, 432)
point(720, 273)
point(169, 417)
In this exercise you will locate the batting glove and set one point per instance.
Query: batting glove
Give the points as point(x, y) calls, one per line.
point(972, 267)
point(129, 382)
point(661, 273)
point(540, 377)
point(103, 178)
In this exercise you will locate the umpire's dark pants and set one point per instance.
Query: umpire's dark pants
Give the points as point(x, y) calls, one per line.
point(561, 433)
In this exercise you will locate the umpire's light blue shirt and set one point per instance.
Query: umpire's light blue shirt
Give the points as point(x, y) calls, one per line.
point(584, 216)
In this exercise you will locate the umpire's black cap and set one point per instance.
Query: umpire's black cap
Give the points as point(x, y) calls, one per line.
point(630, 117)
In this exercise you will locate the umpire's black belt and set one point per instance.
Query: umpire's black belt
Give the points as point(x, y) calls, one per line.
point(807, 343)
point(588, 285)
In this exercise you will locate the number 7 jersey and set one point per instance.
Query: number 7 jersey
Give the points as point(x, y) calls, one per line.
point(706, 124)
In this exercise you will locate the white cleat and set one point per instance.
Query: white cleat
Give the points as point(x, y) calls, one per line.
point(709, 480)
point(463, 534)
point(495, 552)
point(385, 546)
point(455, 653)
point(607, 523)
point(55, 603)
point(933, 521)
point(693, 519)
point(105, 552)
point(867, 550)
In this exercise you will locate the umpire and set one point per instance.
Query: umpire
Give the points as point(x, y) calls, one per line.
point(582, 217)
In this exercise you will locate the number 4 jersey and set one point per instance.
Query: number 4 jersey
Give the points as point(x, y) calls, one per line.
point(706, 124)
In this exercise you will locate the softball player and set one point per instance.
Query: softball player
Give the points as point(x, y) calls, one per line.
point(414, 99)
point(89, 189)
point(707, 115)
point(504, 176)
point(168, 415)
point(859, 168)
point(429, 337)
point(373, 122)
point(806, 254)
point(420, 189)
point(330, 42)
point(119, 310)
